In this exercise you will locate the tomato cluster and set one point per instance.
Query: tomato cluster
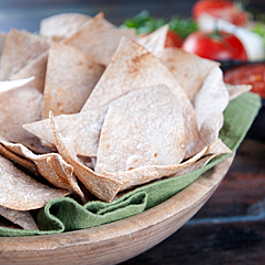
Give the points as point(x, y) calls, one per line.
point(216, 46)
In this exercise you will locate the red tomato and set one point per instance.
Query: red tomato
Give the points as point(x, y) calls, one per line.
point(221, 47)
point(173, 39)
point(223, 9)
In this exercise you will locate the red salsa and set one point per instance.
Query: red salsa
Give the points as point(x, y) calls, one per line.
point(251, 74)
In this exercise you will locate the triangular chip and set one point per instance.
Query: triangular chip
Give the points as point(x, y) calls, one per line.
point(133, 67)
point(70, 78)
point(149, 173)
point(236, 90)
point(144, 127)
point(21, 47)
point(81, 129)
point(189, 69)
point(23, 219)
point(25, 163)
point(215, 149)
point(19, 191)
point(209, 103)
point(97, 38)
point(18, 106)
point(36, 68)
point(102, 187)
point(155, 41)
point(51, 166)
point(60, 26)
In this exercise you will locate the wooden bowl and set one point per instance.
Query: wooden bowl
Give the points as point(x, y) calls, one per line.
point(118, 241)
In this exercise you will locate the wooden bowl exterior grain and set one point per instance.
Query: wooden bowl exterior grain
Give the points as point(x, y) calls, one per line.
point(115, 242)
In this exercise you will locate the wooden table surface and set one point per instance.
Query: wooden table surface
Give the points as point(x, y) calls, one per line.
point(229, 229)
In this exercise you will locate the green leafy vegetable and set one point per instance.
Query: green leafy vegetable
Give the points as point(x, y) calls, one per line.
point(144, 23)
point(184, 27)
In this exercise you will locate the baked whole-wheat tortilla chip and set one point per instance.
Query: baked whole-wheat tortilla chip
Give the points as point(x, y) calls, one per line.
point(18, 106)
point(21, 47)
point(81, 129)
point(215, 149)
point(97, 38)
point(143, 127)
point(145, 174)
point(237, 90)
point(133, 67)
point(61, 26)
point(155, 41)
point(18, 191)
point(22, 161)
point(23, 219)
point(51, 166)
point(36, 68)
point(189, 69)
point(70, 78)
point(102, 187)
point(209, 103)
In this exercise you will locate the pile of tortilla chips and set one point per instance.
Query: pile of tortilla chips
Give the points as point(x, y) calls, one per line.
point(89, 110)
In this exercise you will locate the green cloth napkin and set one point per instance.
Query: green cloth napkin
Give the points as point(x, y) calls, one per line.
point(65, 214)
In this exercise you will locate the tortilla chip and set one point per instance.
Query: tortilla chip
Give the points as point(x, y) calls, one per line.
point(81, 129)
point(133, 67)
point(23, 219)
point(21, 47)
point(19, 191)
point(215, 149)
point(97, 38)
point(61, 26)
point(236, 90)
point(144, 127)
point(209, 103)
point(25, 163)
point(102, 187)
point(155, 41)
point(70, 78)
point(18, 106)
point(36, 68)
point(51, 166)
point(189, 69)
point(145, 174)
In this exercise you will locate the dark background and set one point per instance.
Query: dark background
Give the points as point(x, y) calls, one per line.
point(26, 14)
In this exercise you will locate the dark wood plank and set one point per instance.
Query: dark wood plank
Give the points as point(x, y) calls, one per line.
point(215, 244)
